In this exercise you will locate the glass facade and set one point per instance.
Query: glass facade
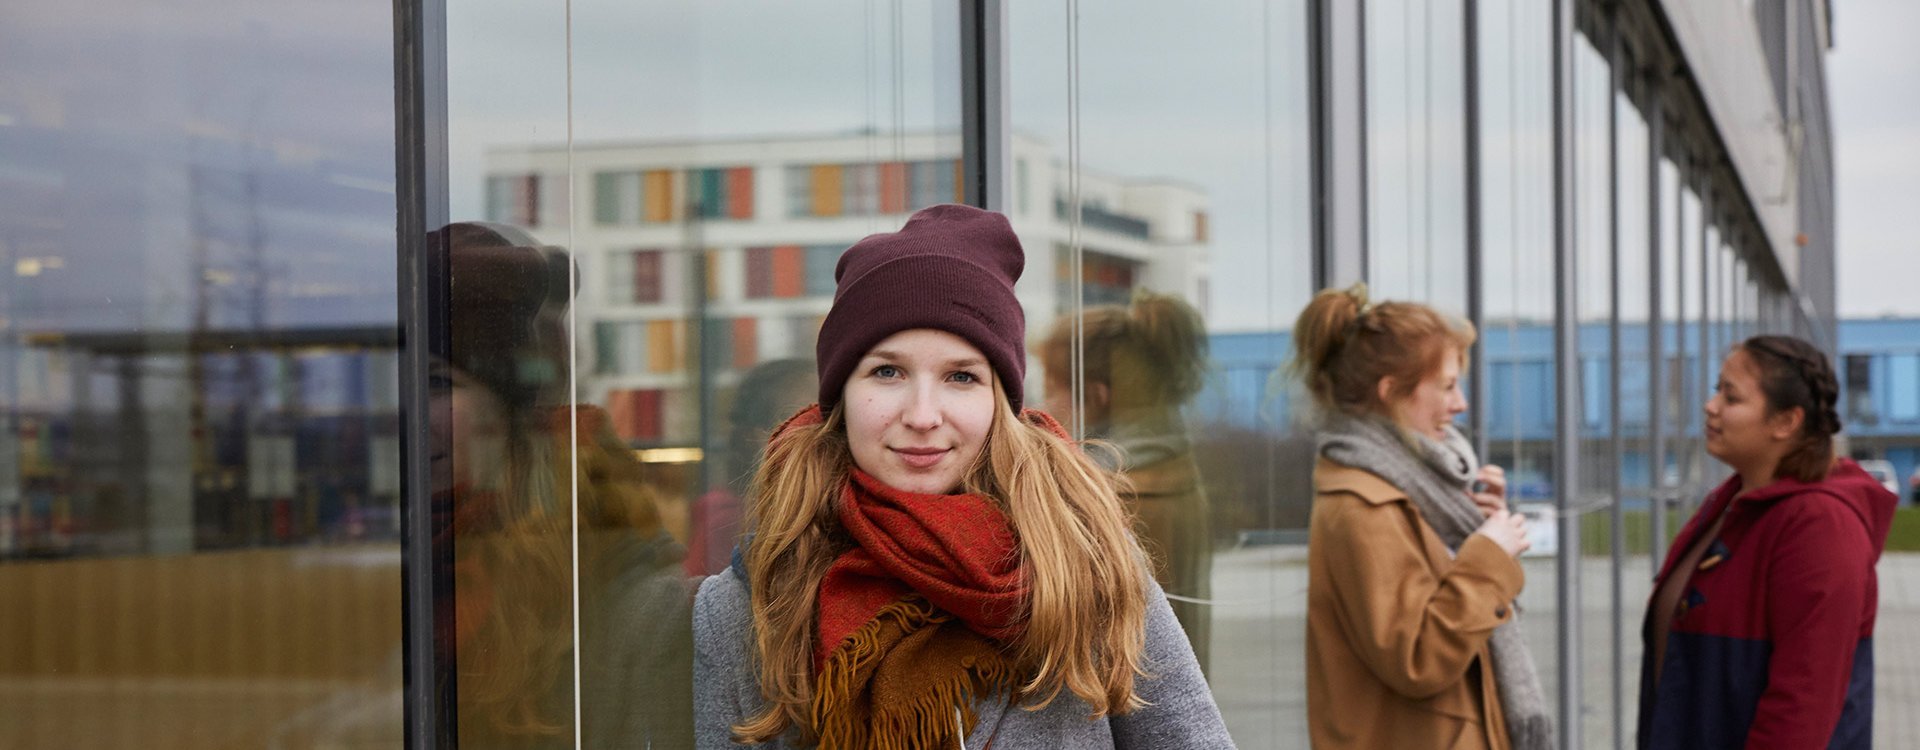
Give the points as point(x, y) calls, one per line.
point(216, 436)
point(199, 406)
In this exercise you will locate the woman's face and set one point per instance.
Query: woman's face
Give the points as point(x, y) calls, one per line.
point(1435, 400)
point(918, 409)
point(468, 424)
point(1740, 431)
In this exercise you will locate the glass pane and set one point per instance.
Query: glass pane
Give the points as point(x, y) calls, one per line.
point(1416, 152)
point(1635, 472)
point(1182, 235)
point(1599, 467)
point(669, 190)
point(199, 461)
point(1516, 100)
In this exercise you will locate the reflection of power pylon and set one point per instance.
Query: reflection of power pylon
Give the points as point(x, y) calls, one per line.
point(230, 274)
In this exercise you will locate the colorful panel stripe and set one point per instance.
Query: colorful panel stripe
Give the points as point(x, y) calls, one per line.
point(740, 193)
point(826, 190)
point(789, 271)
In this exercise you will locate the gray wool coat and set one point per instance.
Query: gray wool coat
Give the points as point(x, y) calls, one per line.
point(1182, 714)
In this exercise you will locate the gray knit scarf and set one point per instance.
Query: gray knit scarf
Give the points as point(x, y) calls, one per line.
point(1435, 475)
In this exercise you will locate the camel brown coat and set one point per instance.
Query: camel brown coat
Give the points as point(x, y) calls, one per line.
point(1397, 626)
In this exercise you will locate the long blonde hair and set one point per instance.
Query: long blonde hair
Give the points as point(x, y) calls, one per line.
point(1086, 615)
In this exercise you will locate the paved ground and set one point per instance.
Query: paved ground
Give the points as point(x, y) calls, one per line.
point(1259, 646)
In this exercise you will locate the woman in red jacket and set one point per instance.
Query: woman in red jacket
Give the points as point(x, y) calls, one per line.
point(1759, 630)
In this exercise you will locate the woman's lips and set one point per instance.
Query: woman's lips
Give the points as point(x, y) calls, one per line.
point(921, 458)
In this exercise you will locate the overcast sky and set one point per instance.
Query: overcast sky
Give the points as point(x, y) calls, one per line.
point(1874, 78)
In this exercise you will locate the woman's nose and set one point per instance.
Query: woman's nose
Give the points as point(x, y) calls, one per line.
point(923, 409)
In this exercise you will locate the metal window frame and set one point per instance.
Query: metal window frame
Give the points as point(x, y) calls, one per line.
point(986, 120)
point(1657, 323)
point(1337, 110)
point(1567, 404)
point(421, 204)
point(1617, 84)
point(1476, 280)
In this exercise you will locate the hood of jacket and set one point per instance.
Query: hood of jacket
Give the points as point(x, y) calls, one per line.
point(1846, 483)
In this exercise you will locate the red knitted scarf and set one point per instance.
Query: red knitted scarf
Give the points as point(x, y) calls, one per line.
point(915, 619)
point(956, 551)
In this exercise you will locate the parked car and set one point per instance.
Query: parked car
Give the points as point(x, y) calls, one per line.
point(1882, 470)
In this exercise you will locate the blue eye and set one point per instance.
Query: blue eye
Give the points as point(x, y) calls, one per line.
point(886, 371)
point(964, 377)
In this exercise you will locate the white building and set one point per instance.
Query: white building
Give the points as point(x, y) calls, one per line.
point(769, 219)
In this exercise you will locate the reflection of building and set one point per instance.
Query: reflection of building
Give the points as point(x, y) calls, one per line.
point(771, 218)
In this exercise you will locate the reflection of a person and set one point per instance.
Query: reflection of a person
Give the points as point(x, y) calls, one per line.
point(1144, 362)
point(504, 467)
point(767, 395)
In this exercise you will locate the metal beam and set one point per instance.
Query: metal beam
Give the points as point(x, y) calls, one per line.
point(986, 126)
point(1657, 325)
point(1337, 65)
point(1616, 67)
point(420, 196)
point(1476, 282)
point(1566, 327)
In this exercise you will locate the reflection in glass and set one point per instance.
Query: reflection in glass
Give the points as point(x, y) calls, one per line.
point(1517, 265)
point(1599, 468)
point(198, 383)
point(527, 484)
point(1632, 569)
point(704, 176)
point(1185, 173)
point(1416, 152)
point(1143, 364)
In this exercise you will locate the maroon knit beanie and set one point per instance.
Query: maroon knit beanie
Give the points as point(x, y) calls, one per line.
point(951, 268)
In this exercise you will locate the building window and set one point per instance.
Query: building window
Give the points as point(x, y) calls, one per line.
point(1859, 374)
point(776, 272)
point(636, 413)
point(1104, 279)
point(820, 263)
point(636, 277)
point(799, 191)
point(893, 187)
point(827, 186)
point(720, 192)
point(934, 182)
point(514, 199)
point(869, 189)
point(862, 190)
point(1903, 388)
point(618, 347)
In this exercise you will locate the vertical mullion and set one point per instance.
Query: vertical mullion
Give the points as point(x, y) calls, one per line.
point(1616, 57)
point(420, 196)
point(1656, 330)
point(1566, 376)
point(986, 139)
point(1476, 307)
point(1337, 65)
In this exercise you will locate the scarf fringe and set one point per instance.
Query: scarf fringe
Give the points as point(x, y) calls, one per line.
point(923, 721)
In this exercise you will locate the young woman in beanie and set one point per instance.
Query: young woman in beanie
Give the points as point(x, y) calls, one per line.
point(1411, 568)
point(931, 565)
point(1759, 632)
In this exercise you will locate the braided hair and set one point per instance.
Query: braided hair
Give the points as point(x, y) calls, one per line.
point(1796, 374)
